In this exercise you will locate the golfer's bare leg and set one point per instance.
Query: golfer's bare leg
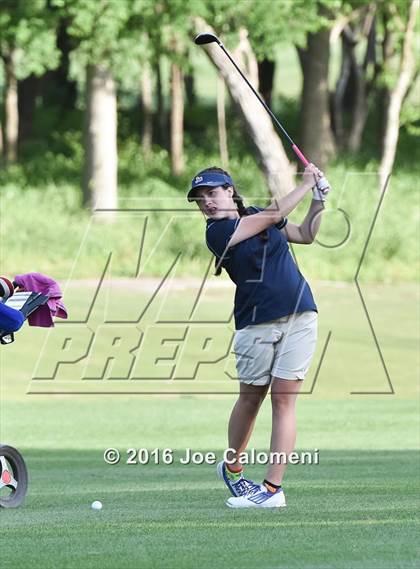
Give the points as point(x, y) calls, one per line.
point(283, 435)
point(242, 419)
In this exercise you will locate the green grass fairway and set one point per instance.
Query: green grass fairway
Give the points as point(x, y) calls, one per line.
point(356, 509)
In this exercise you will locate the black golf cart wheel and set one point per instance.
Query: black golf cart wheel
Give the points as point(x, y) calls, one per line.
point(13, 477)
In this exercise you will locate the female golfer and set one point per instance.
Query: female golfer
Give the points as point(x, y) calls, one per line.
point(275, 317)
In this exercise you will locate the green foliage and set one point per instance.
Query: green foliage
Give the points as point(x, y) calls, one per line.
point(410, 116)
point(125, 33)
point(28, 29)
point(173, 22)
point(392, 20)
point(97, 28)
point(267, 22)
point(111, 32)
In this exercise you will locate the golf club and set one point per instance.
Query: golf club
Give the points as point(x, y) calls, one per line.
point(203, 39)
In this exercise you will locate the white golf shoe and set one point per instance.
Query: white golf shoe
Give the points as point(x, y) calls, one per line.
point(258, 497)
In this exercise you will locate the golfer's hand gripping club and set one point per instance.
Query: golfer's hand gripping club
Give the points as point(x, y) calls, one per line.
point(317, 181)
point(321, 189)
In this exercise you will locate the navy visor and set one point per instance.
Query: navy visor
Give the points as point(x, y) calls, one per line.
point(209, 179)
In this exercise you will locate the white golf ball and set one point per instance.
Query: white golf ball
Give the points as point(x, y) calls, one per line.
point(96, 505)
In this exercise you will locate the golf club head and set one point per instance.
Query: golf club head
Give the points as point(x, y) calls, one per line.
point(203, 39)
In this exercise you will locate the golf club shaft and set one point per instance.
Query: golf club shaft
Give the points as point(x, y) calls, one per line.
point(295, 148)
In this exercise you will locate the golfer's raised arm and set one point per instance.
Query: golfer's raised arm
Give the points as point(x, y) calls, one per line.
point(305, 232)
point(275, 212)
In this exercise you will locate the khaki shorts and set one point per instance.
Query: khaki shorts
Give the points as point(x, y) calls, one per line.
point(281, 348)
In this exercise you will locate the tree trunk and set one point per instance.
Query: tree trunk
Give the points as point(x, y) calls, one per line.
point(27, 93)
point(317, 139)
point(100, 174)
point(161, 111)
point(11, 112)
point(56, 87)
point(276, 167)
point(266, 69)
point(363, 85)
point(177, 120)
point(356, 95)
point(388, 48)
point(353, 85)
point(67, 87)
point(245, 55)
point(221, 123)
point(406, 71)
point(359, 112)
point(340, 90)
point(190, 89)
point(147, 109)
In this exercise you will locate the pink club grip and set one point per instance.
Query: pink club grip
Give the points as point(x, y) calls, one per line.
point(300, 155)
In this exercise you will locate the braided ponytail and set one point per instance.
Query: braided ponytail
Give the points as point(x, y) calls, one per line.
point(242, 210)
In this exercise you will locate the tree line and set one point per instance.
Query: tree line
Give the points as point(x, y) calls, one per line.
point(120, 44)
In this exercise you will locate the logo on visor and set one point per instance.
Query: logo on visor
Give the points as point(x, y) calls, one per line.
point(198, 179)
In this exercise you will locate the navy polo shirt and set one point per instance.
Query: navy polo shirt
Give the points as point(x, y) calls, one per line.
point(268, 282)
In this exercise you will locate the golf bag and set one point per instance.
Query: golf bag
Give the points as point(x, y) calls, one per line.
point(13, 472)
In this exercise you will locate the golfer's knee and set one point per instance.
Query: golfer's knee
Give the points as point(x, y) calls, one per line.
point(282, 401)
point(251, 401)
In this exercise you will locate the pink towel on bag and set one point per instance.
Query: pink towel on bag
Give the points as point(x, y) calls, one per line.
point(36, 282)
